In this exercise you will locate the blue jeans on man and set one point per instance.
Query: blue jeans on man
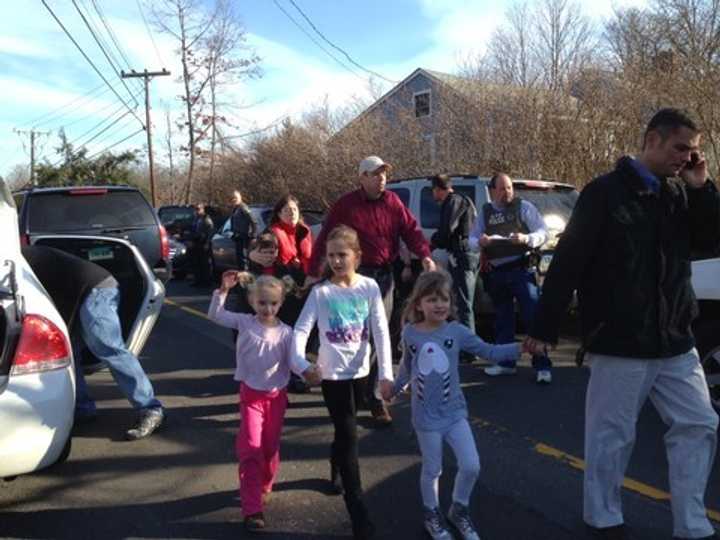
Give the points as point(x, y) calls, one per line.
point(503, 286)
point(101, 331)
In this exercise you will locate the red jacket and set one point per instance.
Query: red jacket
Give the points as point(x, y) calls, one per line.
point(380, 225)
point(295, 244)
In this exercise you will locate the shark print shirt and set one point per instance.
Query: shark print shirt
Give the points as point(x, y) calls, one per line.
point(430, 366)
point(347, 318)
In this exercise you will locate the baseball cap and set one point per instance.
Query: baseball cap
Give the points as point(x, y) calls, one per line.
point(371, 164)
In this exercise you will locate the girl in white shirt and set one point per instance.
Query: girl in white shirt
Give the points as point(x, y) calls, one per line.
point(347, 307)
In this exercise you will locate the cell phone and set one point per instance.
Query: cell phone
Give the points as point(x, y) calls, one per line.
point(694, 158)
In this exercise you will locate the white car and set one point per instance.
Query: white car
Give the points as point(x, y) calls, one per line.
point(37, 382)
point(706, 283)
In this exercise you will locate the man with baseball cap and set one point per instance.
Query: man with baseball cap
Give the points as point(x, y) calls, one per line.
point(381, 221)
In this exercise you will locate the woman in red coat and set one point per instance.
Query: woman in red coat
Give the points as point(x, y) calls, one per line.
point(294, 237)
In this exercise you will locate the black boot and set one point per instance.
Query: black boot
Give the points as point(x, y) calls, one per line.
point(335, 481)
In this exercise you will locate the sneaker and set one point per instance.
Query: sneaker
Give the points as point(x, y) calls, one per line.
point(435, 525)
point(459, 517)
point(255, 522)
point(381, 414)
point(543, 377)
point(148, 421)
point(497, 369)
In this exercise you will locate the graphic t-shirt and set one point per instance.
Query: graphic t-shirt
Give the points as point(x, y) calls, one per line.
point(346, 318)
point(430, 365)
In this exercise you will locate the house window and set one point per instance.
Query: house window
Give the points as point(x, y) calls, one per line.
point(422, 103)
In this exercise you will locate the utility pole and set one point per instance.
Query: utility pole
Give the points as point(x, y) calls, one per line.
point(32, 134)
point(146, 75)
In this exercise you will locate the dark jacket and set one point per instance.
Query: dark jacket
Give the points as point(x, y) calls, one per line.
point(627, 252)
point(290, 310)
point(242, 223)
point(457, 215)
point(66, 278)
point(203, 229)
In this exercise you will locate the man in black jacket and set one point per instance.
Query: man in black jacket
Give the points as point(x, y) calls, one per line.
point(627, 252)
point(87, 297)
point(457, 215)
point(243, 227)
point(202, 232)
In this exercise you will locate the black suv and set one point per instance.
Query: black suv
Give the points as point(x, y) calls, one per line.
point(113, 211)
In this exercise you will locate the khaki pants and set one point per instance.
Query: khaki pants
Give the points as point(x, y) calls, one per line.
point(616, 392)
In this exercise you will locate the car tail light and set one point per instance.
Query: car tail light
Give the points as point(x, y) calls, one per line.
point(42, 347)
point(164, 244)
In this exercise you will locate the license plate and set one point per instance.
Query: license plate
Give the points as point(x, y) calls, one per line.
point(102, 253)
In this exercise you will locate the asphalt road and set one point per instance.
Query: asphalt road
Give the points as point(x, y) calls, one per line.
point(182, 481)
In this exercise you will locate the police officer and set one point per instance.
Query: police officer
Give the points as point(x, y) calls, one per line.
point(457, 215)
point(506, 231)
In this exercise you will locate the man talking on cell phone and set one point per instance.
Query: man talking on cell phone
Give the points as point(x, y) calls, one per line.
point(627, 252)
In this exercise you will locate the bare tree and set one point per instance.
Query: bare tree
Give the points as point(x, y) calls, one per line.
point(210, 46)
point(510, 51)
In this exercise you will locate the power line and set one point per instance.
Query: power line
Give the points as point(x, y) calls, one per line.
point(147, 28)
point(115, 144)
point(353, 62)
point(54, 112)
point(260, 130)
point(91, 62)
point(85, 143)
point(107, 56)
point(94, 113)
point(99, 124)
point(311, 38)
point(111, 33)
point(110, 134)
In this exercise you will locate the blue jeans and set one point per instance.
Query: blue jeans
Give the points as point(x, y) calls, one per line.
point(101, 331)
point(463, 267)
point(504, 286)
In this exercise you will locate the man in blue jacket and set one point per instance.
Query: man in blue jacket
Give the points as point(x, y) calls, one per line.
point(627, 252)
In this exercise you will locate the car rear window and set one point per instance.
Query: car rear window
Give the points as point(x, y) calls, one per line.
point(176, 215)
point(65, 211)
point(557, 200)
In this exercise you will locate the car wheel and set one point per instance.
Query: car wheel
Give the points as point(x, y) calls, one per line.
point(707, 335)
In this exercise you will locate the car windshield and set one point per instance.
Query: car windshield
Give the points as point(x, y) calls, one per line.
point(65, 211)
point(559, 201)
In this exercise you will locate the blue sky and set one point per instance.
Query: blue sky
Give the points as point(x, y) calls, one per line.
point(41, 70)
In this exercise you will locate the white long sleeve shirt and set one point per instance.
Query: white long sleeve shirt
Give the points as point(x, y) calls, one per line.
point(346, 316)
point(263, 354)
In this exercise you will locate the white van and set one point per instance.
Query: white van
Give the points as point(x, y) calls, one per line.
point(706, 283)
point(554, 200)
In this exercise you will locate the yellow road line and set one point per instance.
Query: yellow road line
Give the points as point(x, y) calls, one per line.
point(628, 483)
point(185, 308)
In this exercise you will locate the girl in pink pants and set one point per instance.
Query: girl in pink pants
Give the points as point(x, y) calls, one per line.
point(263, 369)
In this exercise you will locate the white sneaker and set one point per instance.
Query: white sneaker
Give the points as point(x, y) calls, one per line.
point(497, 369)
point(543, 377)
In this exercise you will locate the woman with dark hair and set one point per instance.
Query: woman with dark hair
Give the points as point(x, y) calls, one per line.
point(294, 237)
